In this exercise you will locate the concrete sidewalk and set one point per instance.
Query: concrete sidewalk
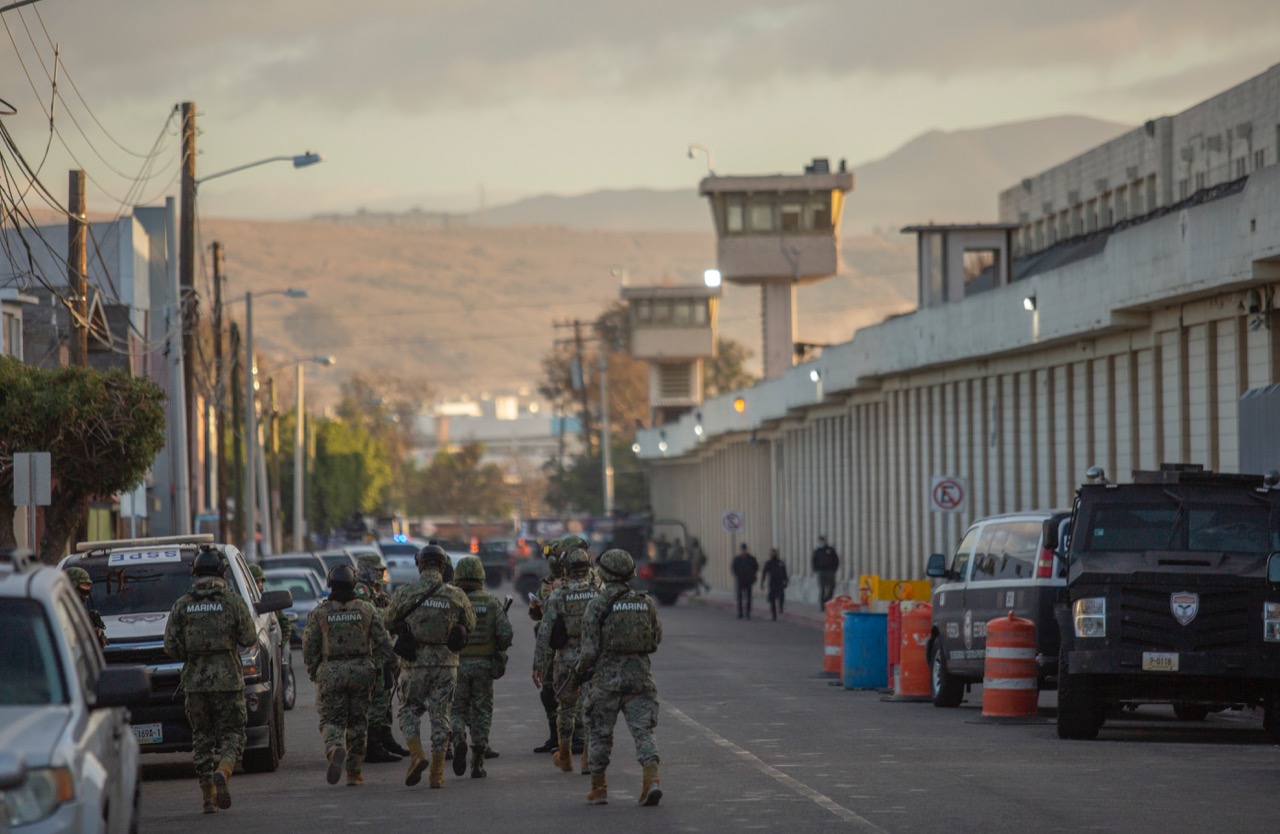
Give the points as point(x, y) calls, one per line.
point(797, 613)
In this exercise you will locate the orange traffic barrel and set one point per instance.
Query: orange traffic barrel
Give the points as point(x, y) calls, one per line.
point(1009, 688)
point(913, 682)
point(833, 635)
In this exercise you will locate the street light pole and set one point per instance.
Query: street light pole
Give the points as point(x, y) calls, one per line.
point(249, 513)
point(606, 452)
point(299, 537)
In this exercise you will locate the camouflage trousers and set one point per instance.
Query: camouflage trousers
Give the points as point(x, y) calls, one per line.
point(217, 729)
point(473, 701)
point(569, 707)
point(380, 699)
point(640, 709)
point(342, 699)
point(427, 689)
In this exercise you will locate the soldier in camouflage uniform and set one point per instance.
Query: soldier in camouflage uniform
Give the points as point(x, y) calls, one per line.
point(84, 587)
point(344, 646)
point(207, 627)
point(482, 661)
point(620, 629)
point(557, 650)
point(550, 552)
point(383, 747)
point(436, 618)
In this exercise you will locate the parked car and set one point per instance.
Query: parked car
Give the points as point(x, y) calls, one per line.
point(1003, 563)
point(399, 555)
point(307, 593)
point(68, 759)
point(297, 560)
point(333, 558)
point(495, 555)
point(135, 584)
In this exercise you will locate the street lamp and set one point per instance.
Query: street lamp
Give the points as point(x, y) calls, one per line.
point(251, 425)
point(694, 148)
point(301, 160)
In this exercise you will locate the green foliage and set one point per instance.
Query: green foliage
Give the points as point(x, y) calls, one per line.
point(727, 371)
point(578, 488)
point(385, 406)
point(102, 430)
point(351, 471)
point(458, 485)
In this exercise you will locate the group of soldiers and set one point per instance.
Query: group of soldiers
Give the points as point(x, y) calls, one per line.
point(442, 641)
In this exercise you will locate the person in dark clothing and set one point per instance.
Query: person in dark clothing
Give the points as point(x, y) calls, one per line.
point(775, 574)
point(745, 570)
point(825, 564)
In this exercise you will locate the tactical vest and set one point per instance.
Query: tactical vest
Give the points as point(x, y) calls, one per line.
point(480, 639)
point(208, 623)
point(575, 597)
point(344, 630)
point(629, 627)
point(430, 621)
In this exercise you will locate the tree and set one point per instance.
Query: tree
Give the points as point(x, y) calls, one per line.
point(386, 406)
point(578, 487)
point(351, 472)
point(727, 371)
point(102, 430)
point(458, 485)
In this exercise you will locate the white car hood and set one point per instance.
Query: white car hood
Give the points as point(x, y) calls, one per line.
point(33, 731)
point(128, 628)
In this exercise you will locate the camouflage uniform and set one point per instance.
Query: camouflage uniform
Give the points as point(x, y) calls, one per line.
point(369, 588)
point(427, 682)
point(483, 660)
point(620, 629)
point(339, 646)
point(555, 666)
point(84, 589)
point(206, 627)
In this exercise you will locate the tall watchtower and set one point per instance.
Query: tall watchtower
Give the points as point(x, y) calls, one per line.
point(674, 328)
point(778, 231)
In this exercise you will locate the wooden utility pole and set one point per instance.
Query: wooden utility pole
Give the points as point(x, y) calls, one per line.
point(578, 379)
point(186, 275)
point(237, 432)
point(219, 395)
point(77, 247)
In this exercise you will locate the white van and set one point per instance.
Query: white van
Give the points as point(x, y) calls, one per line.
point(1003, 563)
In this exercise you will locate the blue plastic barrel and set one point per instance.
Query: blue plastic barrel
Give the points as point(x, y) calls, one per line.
point(866, 650)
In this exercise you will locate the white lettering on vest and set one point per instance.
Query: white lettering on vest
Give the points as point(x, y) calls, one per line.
point(479, 609)
point(203, 607)
point(345, 617)
point(631, 606)
point(435, 603)
point(580, 596)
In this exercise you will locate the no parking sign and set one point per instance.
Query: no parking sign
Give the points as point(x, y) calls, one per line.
point(948, 494)
point(731, 521)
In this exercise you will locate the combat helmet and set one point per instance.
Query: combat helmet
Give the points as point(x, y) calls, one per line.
point(342, 575)
point(617, 565)
point(576, 561)
point(431, 556)
point(209, 562)
point(572, 541)
point(372, 561)
point(259, 575)
point(79, 576)
point(470, 569)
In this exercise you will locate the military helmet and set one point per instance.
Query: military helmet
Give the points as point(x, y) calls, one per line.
point(367, 575)
point(259, 575)
point(572, 541)
point(209, 562)
point(577, 560)
point(372, 561)
point(469, 568)
point(78, 576)
point(617, 564)
point(342, 575)
point(432, 555)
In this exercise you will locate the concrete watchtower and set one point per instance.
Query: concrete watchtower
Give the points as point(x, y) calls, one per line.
point(674, 327)
point(778, 231)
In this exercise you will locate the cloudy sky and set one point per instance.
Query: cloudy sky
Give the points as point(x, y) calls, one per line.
point(442, 104)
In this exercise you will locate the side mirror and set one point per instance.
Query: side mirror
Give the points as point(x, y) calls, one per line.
point(937, 567)
point(1273, 568)
point(122, 686)
point(13, 770)
point(273, 601)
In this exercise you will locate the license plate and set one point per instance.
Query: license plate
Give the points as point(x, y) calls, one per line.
point(1159, 661)
point(148, 733)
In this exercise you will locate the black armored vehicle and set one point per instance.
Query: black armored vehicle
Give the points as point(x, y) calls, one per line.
point(1173, 597)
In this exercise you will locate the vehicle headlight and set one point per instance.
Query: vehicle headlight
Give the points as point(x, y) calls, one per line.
point(1090, 616)
point(1271, 622)
point(252, 661)
point(45, 789)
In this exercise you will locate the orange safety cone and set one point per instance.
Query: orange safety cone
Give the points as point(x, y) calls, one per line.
point(913, 681)
point(1009, 685)
point(833, 635)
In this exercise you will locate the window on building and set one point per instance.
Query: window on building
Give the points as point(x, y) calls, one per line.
point(762, 215)
point(1241, 169)
point(792, 216)
point(733, 214)
point(661, 311)
point(1201, 180)
point(1151, 193)
point(643, 310)
point(979, 270)
point(1259, 158)
point(1122, 204)
point(11, 336)
point(1184, 188)
point(701, 312)
point(681, 313)
point(1136, 191)
point(1091, 215)
point(819, 208)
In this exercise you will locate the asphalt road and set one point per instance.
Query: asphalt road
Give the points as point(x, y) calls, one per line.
point(752, 739)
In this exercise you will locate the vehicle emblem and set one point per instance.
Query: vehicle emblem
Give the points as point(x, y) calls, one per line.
point(968, 629)
point(1185, 605)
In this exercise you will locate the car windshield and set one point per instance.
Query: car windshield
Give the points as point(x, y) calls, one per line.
point(1181, 526)
point(138, 589)
point(301, 589)
point(332, 560)
point(30, 673)
point(399, 549)
point(309, 562)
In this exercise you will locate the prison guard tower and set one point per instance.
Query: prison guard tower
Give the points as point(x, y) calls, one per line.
point(674, 328)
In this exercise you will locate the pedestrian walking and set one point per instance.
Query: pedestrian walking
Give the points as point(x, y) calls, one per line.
point(482, 661)
point(620, 629)
point(745, 569)
point(207, 627)
point(775, 575)
point(825, 564)
point(552, 552)
point(698, 558)
point(345, 647)
point(557, 651)
point(431, 621)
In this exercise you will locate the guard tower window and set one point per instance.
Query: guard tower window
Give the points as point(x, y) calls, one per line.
point(733, 218)
point(791, 216)
point(819, 213)
point(701, 313)
point(643, 310)
point(681, 313)
point(661, 311)
point(762, 215)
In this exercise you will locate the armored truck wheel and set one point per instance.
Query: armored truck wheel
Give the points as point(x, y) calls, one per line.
point(947, 691)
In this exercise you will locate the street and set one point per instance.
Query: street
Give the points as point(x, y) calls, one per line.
point(751, 738)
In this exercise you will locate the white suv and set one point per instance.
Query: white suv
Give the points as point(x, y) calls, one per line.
point(70, 760)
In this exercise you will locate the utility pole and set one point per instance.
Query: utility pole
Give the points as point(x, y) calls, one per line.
point(606, 452)
point(237, 431)
point(77, 244)
point(219, 396)
point(186, 270)
point(578, 378)
point(177, 378)
point(273, 490)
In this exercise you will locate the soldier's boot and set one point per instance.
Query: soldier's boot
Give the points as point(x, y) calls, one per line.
point(579, 744)
point(490, 753)
point(388, 740)
point(354, 779)
point(206, 795)
point(650, 792)
point(584, 771)
point(337, 756)
point(417, 762)
point(436, 775)
point(551, 744)
point(563, 757)
point(599, 794)
point(460, 757)
point(477, 763)
point(222, 784)
point(378, 753)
